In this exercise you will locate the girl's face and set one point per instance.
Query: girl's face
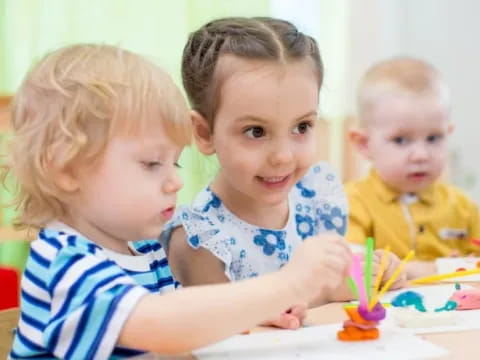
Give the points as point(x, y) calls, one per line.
point(263, 130)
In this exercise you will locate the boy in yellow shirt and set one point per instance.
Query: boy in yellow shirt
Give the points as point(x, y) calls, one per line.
point(404, 110)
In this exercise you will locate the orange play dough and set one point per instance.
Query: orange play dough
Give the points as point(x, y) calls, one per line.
point(353, 333)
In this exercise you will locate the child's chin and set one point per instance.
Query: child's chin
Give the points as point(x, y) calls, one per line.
point(409, 186)
point(413, 188)
point(149, 234)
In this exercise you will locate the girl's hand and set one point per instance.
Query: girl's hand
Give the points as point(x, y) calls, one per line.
point(318, 265)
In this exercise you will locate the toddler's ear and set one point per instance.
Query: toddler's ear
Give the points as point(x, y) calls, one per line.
point(202, 133)
point(62, 175)
point(66, 180)
point(359, 139)
point(450, 128)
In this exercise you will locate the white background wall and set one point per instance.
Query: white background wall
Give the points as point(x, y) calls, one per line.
point(443, 32)
point(354, 34)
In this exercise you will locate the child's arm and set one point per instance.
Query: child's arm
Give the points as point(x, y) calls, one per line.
point(199, 267)
point(416, 269)
point(195, 316)
point(193, 266)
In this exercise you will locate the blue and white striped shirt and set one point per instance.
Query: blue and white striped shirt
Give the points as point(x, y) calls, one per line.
point(76, 296)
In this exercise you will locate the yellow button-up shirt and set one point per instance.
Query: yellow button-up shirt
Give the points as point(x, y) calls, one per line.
point(437, 222)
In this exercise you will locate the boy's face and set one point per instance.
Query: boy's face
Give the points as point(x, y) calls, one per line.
point(131, 193)
point(406, 140)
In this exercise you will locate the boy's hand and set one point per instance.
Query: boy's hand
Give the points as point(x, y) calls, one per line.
point(391, 265)
point(291, 319)
point(318, 264)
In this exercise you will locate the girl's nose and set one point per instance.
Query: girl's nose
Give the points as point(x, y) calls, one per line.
point(281, 153)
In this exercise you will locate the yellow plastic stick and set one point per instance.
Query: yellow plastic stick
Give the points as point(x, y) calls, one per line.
point(381, 270)
point(396, 273)
point(433, 278)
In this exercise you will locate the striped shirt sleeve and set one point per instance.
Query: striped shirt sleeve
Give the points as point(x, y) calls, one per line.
point(91, 298)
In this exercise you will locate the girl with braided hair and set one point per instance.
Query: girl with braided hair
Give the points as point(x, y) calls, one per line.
point(253, 85)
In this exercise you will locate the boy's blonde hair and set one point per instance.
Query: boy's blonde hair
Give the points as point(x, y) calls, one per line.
point(400, 76)
point(68, 108)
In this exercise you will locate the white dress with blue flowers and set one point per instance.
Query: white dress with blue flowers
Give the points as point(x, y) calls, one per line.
point(317, 203)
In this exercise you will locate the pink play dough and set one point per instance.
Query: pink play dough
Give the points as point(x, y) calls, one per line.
point(467, 299)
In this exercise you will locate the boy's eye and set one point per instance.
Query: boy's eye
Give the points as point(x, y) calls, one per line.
point(400, 140)
point(255, 132)
point(434, 138)
point(302, 128)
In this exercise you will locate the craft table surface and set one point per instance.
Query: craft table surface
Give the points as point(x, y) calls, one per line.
point(463, 345)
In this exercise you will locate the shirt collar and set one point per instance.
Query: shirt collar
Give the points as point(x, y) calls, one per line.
point(388, 194)
point(57, 225)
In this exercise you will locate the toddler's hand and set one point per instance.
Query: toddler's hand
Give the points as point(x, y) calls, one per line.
point(455, 253)
point(391, 265)
point(318, 264)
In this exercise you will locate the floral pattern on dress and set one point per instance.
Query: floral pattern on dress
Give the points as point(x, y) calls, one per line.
point(334, 219)
point(270, 240)
point(305, 225)
point(317, 204)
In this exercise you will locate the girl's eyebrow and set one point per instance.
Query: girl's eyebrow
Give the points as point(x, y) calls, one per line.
point(308, 114)
point(247, 117)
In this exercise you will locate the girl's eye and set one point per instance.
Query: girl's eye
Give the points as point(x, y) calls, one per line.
point(400, 140)
point(151, 164)
point(177, 165)
point(254, 132)
point(302, 128)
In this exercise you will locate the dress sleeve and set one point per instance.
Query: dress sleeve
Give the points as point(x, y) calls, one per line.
point(91, 298)
point(204, 224)
point(323, 186)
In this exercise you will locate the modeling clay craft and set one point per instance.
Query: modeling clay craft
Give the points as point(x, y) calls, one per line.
point(365, 317)
point(409, 317)
point(409, 298)
point(358, 328)
point(468, 299)
point(410, 312)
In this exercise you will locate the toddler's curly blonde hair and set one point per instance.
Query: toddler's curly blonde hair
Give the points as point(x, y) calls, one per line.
point(68, 108)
